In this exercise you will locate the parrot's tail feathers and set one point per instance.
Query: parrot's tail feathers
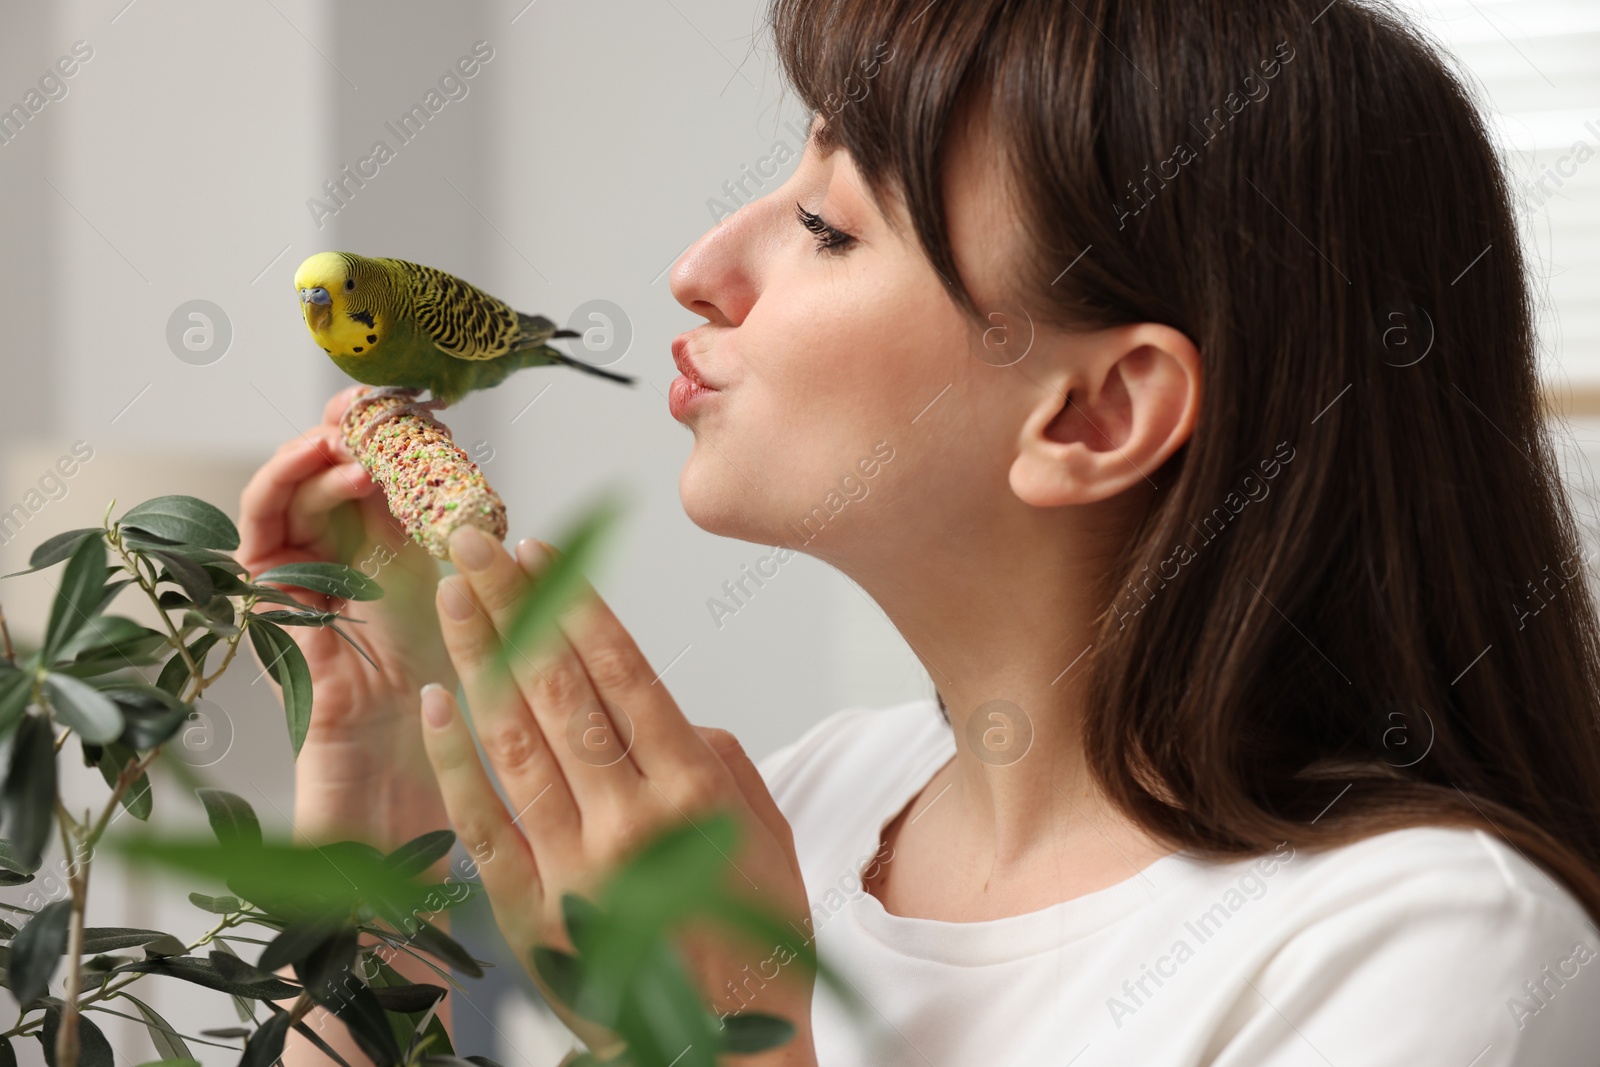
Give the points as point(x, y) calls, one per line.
point(550, 355)
point(536, 330)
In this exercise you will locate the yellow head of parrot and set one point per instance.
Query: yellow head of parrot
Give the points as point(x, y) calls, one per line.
point(343, 320)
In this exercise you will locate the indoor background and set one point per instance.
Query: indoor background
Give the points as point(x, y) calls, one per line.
point(183, 169)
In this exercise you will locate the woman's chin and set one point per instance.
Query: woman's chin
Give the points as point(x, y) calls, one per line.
point(715, 504)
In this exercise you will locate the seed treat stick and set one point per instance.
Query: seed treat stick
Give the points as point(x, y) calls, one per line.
point(431, 485)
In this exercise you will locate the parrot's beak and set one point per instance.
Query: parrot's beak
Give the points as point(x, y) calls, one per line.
point(318, 307)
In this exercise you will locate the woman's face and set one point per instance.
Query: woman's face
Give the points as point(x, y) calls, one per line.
point(852, 404)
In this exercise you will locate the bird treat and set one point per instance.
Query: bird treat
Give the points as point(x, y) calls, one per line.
point(430, 484)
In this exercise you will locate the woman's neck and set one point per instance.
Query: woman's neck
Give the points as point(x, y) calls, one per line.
point(1015, 817)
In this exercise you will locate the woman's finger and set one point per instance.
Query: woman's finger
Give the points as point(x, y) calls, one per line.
point(531, 774)
point(751, 785)
point(316, 497)
point(264, 503)
point(550, 676)
point(664, 745)
point(333, 411)
point(486, 829)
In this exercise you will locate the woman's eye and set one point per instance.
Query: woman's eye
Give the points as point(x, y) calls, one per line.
point(828, 238)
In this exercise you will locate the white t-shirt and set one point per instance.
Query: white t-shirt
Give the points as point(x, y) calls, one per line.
point(1414, 948)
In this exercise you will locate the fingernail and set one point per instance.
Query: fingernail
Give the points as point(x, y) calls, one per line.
point(471, 546)
point(435, 706)
point(454, 598)
point(531, 554)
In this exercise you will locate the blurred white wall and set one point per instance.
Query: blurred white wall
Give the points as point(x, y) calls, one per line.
point(574, 165)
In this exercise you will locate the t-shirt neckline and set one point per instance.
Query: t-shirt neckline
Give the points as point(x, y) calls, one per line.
point(990, 941)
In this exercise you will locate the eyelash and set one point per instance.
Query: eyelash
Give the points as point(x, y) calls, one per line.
point(829, 239)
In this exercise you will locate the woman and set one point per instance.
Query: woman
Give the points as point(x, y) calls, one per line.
point(1188, 349)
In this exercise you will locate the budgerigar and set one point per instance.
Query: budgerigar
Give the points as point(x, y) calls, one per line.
point(409, 327)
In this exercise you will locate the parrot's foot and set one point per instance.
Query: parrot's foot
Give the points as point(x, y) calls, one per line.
point(422, 409)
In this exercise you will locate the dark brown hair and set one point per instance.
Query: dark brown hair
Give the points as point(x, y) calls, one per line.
point(1389, 635)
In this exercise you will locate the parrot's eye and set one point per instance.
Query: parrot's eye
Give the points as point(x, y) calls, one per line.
point(349, 284)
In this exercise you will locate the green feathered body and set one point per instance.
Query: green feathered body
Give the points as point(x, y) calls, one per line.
point(390, 322)
point(410, 359)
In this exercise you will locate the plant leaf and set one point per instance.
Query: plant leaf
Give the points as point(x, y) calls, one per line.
point(12, 863)
point(185, 519)
point(175, 675)
point(353, 643)
point(194, 579)
point(107, 938)
point(138, 540)
point(266, 1044)
point(442, 945)
point(334, 579)
point(217, 905)
point(299, 618)
point(36, 950)
point(580, 916)
point(754, 1031)
point(410, 1032)
point(421, 852)
point(150, 714)
point(16, 690)
point(54, 550)
point(28, 798)
point(293, 881)
point(109, 593)
point(561, 971)
point(300, 940)
point(83, 707)
point(165, 945)
point(78, 596)
point(241, 1006)
point(168, 1042)
point(358, 1008)
point(114, 637)
point(93, 1048)
point(287, 665)
point(409, 999)
point(137, 798)
point(204, 973)
point(235, 969)
point(232, 818)
point(562, 579)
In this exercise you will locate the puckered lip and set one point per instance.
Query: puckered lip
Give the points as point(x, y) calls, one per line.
point(685, 364)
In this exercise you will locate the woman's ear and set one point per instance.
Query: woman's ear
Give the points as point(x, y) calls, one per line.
point(1120, 403)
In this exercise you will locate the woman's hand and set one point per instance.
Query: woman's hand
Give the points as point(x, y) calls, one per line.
point(579, 807)
point(362, 770)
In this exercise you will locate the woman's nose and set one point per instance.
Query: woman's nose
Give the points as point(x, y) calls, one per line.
point(718, 276)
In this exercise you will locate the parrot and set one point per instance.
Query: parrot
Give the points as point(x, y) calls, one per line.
point(406, 327)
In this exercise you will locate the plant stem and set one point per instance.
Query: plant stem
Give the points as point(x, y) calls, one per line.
point(78, 879)
point(199, 682)
point(5, 635)
point(150, 590)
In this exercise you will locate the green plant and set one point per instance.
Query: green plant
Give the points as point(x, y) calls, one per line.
point(89, 678)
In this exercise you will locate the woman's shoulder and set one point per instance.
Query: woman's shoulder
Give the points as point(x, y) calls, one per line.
point(1401, 929)
point(1441, 865)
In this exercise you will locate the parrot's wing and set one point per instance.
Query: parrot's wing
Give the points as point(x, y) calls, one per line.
point(463, 320)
